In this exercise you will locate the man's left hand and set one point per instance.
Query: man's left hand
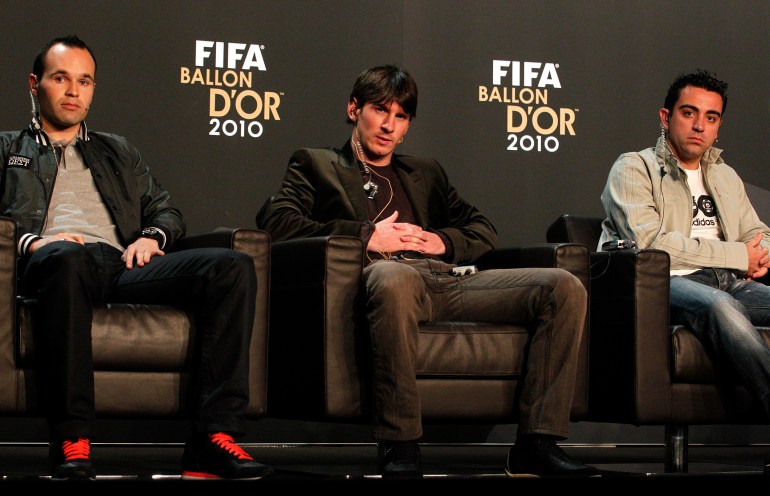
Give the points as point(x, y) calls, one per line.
point(142, 250)
point(425, 242)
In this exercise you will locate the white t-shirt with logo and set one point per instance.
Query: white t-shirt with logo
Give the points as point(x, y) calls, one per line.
point(705, 223)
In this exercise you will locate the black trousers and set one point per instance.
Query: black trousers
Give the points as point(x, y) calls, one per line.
point(68, 279)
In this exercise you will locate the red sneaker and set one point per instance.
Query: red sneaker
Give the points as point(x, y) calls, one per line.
point(71, 460)
point(217, 456)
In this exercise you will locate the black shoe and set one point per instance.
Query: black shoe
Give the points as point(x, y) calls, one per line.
point(399, 460)
point(71, 460)
point(540, 456)
point(217, 456)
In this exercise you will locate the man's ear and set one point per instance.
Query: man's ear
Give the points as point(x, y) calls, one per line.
point(353, 110)
point(664, 116)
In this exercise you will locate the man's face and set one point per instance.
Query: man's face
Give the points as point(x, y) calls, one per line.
point(693, 124)
point(66, 88)
point(380, 127)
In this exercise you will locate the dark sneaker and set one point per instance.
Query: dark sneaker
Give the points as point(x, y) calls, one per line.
point(540, 456)
point(71, 460)
point(217, 456)
point(399, 460)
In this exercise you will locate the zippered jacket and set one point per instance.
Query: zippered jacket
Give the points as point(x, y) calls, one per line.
point(647, 199)
point(134, 198)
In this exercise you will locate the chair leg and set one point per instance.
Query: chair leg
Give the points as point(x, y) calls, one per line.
point(676, 448)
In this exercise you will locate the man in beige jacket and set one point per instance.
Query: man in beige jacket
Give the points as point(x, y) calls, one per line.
point(681, 197)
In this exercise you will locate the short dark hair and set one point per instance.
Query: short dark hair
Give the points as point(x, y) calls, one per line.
point(71, 40)
point(700, 79)
point(384, 84)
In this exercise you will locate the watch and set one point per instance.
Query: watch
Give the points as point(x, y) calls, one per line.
point(156, 234)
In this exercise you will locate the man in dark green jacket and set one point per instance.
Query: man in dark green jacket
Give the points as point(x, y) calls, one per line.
point(93, 226)
point(417, 228)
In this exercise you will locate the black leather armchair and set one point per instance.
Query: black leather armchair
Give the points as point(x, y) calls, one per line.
point(643, 370)
point(142, 353)
point(318, 352)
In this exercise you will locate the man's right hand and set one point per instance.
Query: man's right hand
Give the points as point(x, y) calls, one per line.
point(387, 235)
point(758, 258)
point(75, 238)
point(391, 236)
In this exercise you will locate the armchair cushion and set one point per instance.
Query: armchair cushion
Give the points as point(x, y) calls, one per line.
point(150, 337)
point(471, 349)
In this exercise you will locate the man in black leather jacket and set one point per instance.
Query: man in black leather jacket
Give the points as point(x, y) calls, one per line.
point(94, 224)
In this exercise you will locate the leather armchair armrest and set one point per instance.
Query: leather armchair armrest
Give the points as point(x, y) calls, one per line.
point(298, 263)
point(224, 237)
point(571, 257)
point(630, 342)
point(314, 340)
point(8, 388)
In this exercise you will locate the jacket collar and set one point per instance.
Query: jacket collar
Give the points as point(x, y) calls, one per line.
point(349, 170)
point(668, 161)
point(41, 137)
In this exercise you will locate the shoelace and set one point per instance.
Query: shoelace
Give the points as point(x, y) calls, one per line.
point(225, 441)
point(77, 450)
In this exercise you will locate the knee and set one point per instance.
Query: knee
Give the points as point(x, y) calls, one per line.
point(66, 258)
point(241, 260)
point(240, 263)
point(723, 306)
point(568, 289)
point(57, 268)
point(223, 270)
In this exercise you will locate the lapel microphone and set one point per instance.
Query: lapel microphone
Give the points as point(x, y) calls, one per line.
point(369, 186)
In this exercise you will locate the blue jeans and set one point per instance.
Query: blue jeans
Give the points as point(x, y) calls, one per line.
point(722, 309)
point(400, 295)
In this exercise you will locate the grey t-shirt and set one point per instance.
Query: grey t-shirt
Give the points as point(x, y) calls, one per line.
point(76, 205)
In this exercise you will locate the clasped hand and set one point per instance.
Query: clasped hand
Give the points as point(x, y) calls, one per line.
point(758, 258)
point(391, 236)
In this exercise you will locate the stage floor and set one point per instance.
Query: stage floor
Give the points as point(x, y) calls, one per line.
point(345, 464)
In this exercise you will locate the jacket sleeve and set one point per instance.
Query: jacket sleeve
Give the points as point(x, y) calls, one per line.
point(469, 231)
point(628, 201)
point(134, 197)
point(749, 223)
point(310, 203)
point(156, 209)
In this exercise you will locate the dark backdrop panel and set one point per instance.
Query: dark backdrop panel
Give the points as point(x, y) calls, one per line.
point(613, 61)
point(312, 52)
